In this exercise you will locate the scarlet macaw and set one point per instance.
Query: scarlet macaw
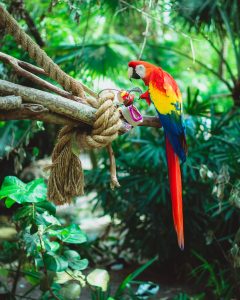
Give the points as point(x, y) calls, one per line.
point(164, 93)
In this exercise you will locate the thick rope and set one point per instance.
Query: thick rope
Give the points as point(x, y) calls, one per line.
point(66, 178)
point(40, 56)
point(66, 175)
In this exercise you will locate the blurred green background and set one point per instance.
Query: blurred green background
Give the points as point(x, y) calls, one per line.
point(198, 42)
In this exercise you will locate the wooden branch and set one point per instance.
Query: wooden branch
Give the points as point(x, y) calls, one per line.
point(37, 112)
point(22, 112)
point(10, 102)
point(51, 108)
point(61, 110)
point(151, 122)
point(26, 70)
point(54, 103)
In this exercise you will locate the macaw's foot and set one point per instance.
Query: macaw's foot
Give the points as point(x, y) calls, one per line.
point(146, 97)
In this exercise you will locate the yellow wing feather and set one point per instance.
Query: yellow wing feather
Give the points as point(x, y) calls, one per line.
point(165, 101)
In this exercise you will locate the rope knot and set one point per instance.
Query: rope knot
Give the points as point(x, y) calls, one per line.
point(106, 125)
point(66, 178)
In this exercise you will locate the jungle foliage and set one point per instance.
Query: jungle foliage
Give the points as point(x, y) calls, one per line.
point(198, 42)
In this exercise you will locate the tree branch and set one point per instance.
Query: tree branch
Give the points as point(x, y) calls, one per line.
point(51, 108)
point(149, 121)
point(10, 102)
point(26, 70)
point(37, 112)
point(55, 103)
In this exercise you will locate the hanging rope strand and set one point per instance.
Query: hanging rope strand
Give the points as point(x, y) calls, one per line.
point(66, 178)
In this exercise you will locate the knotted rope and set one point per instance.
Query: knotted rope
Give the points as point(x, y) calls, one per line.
point(66, 175)
point(66, 181)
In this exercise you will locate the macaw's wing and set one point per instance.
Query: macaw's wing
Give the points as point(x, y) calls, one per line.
point(166, 97)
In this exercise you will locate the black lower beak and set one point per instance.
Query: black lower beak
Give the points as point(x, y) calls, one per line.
point(135, 75)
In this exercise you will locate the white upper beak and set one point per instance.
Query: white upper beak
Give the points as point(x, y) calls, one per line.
point(130, 72)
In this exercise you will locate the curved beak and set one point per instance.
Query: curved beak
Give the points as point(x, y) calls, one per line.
point(132, 73)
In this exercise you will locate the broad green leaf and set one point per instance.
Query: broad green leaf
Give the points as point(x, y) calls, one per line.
point(79, 265)
point(23, 212)
point(46, 219)
point(11, 185)
point(55, 263)
point(46, 205)
point(36, 190)
point(13, 188)
point(32, 243)
point(68, 275)
point(71, 291)
point(52, 246)
point(9, 202)
point(71, 234)
point(99, 278)
point(63, 277)
point(32, 276)
point(74, 260)
point(71, 255)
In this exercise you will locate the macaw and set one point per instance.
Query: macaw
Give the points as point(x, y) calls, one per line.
point(165, 95)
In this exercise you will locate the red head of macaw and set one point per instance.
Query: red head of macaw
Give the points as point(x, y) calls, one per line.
point(164, 93)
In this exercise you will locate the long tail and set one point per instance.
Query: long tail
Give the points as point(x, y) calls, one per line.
point(175, 181)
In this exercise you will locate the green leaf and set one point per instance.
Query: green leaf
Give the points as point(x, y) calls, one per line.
point(99, 278)
point(36, 190)
point(33, 277)
point(32, 243)
point(71, 291)
point(23, 212)
point(51, 246)
point(11, 185)
point(71, 234)
point(69, 275)
point(9, 202)
point(46, 219)
point(55, 263)
point(46, 205)
point(74, 260)
point(13, 188)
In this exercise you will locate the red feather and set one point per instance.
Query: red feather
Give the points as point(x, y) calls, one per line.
point(175, 182)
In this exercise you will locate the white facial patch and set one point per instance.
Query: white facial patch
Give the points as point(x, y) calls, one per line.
point(130, 72)
point(140, 70)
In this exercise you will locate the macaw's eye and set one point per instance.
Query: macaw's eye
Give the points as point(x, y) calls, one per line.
point(140, 70)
